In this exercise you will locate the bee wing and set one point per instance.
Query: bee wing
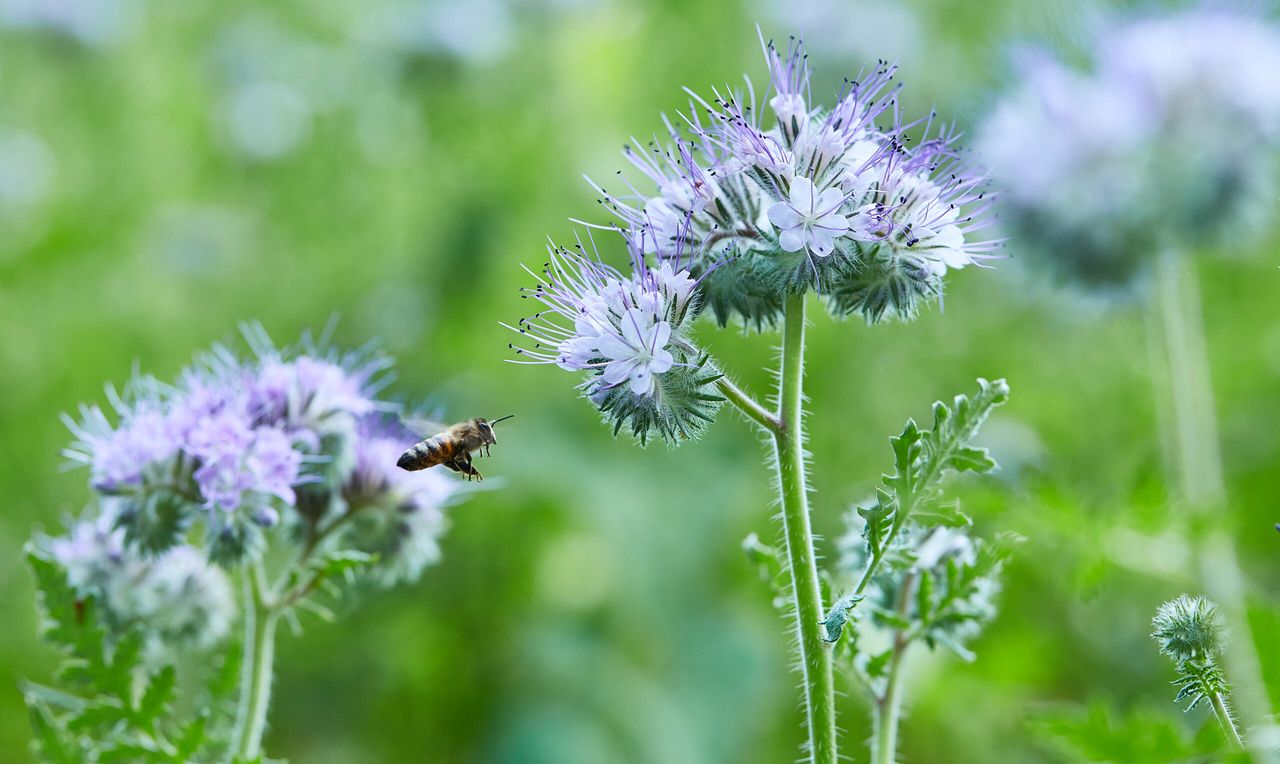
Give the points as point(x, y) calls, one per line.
point(423, 428)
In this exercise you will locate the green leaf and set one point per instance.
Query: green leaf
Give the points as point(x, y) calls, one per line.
point(158, 694)
point(968, 458)
point(878, 664)
point(1143, 735)
point(924, 596)
point(943, 515)
point(52, 742)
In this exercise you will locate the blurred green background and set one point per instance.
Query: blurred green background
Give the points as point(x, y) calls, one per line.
point(170, 169)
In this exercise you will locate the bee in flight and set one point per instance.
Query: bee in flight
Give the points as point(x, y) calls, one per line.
point(453, 447)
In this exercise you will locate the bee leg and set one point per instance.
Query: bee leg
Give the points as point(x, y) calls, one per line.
point(463, 464)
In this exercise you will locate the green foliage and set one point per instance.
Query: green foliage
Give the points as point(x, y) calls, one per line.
point(109, 705)
point(1100, 733)
point(924, 578)
point(921, 459)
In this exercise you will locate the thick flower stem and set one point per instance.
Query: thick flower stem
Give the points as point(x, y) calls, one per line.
point(815, 654)
point(1194, 431)
point(255, 678)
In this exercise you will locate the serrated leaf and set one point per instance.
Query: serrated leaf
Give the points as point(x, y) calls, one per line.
point(971, 459)
point(157, 695)
point(924, 596)
point(101, 713)
point(50, 739)
point(878, 664)
point(943, 515)
point(340, 561)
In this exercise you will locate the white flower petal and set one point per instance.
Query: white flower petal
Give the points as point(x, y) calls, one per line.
point(834, 223)
point(641, 383)
point(659, 336)
point(635, 325)
point(791, 240)
point(821, 242)
point(829, 200)
point(617, 371)
point(784, 216)
point(662, 362)
point(802, 192)
point(612, 347)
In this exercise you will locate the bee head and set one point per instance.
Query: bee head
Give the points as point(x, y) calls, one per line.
point(486, 428)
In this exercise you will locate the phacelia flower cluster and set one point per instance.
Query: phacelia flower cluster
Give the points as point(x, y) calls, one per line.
point(849, 201)
point(1167, 140)
point(629, 333)
point(185, 601)
point(285, 441)
point(737, 212)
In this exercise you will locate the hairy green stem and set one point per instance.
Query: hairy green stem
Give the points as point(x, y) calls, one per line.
point(815, 654)
point(748, 405)
point(1224, 718)
point(256, 673)
point(1194, 430)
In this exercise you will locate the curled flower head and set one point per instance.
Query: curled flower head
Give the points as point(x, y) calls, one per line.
point(815, 199)
point(1188, 628)
point(628, 332)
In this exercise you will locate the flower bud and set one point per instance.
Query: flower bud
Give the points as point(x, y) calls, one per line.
point(1188, 628)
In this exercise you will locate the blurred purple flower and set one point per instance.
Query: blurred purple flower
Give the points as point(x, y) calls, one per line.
point(237, 460)
point(1167, 137)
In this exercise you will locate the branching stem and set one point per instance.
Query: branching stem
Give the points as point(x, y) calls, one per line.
point(749, 405)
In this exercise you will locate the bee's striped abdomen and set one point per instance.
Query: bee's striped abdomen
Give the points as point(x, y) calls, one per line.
point(428, 453)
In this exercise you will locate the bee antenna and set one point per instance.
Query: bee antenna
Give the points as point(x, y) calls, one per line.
point(503, 419)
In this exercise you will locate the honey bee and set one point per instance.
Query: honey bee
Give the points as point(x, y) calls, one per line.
point(453, 447)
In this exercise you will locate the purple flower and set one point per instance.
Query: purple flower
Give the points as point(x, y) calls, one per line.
point(237, 460)
point(1166, 137)
point(117, 457)
point(396, 514)
point(809, 220)
point(621, 329)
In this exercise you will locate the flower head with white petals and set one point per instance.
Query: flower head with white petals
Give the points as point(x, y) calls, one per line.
point(809, 220)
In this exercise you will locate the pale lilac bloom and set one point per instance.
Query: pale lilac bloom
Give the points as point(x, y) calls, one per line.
point(179, 594)
point(621, 328)
point(638, 352)
point(238, 462)
point(118, 456)
point(400, 514)
point(809, 220)
point(925, 203)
